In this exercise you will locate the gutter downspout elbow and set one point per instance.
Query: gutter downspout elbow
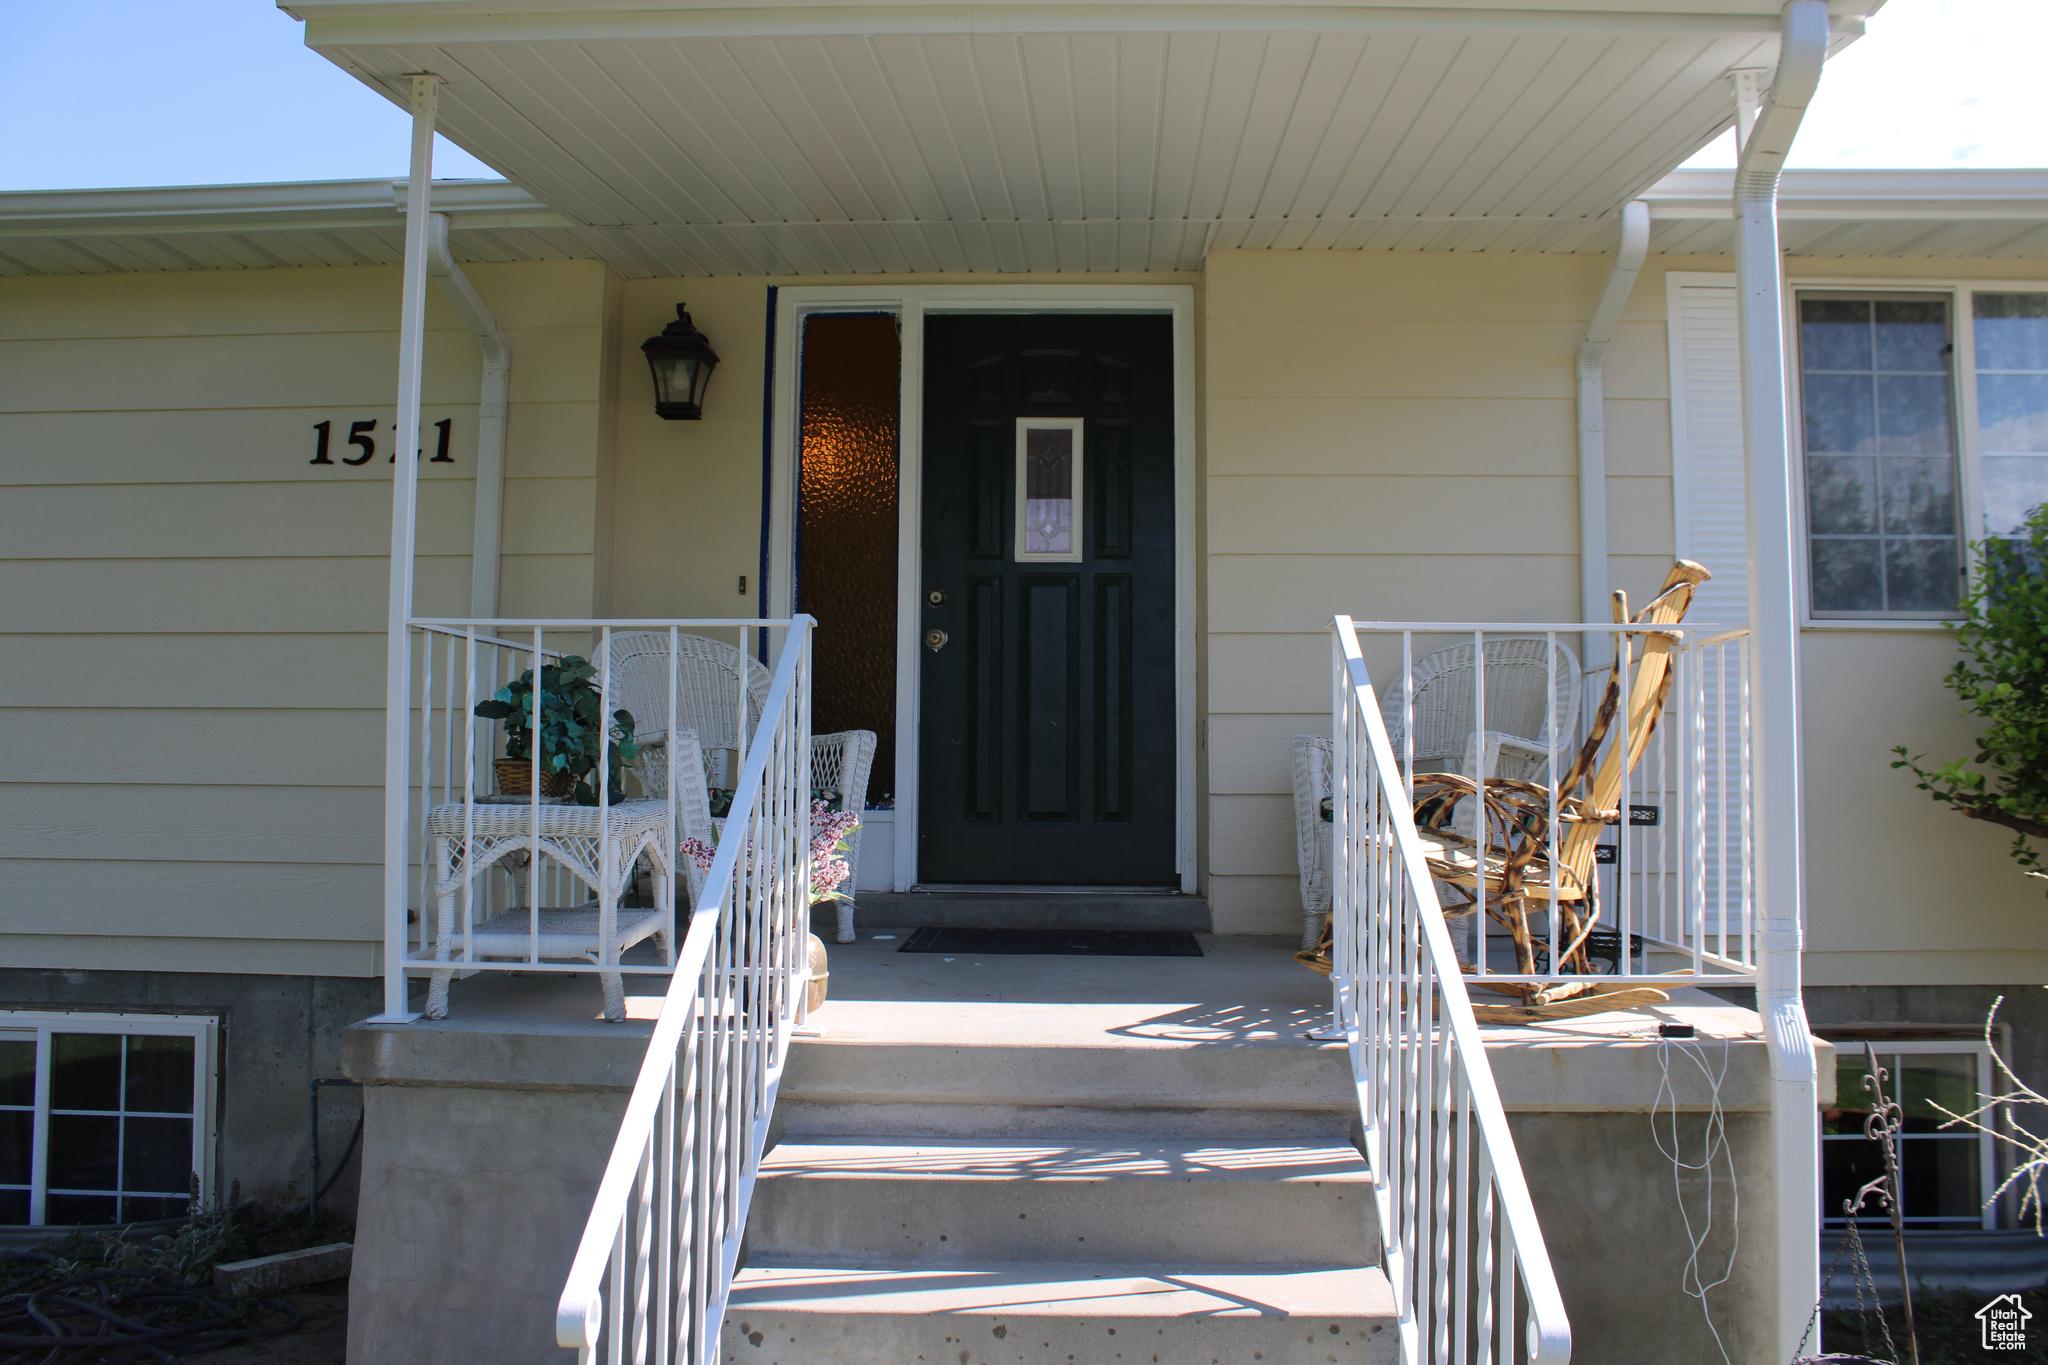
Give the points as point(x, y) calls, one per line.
point(493, 399)
point(1774, 677)
point(1592, 399)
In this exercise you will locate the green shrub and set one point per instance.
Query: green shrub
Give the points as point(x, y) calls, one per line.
point(2002, 680)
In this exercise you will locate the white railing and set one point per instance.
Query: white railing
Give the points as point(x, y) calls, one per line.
point(490, 872)
point(1472, 1282)
point(1673, 885)
point(652, 1272)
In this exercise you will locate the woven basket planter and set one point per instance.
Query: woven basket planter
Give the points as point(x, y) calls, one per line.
point(515, 778)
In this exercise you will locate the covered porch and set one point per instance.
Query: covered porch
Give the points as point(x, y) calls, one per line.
point(1054, 430)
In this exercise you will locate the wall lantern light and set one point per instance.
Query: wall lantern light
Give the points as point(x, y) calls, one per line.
point(682, 361)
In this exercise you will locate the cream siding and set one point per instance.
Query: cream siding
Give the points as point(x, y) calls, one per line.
point(193, 777)
point(194, 613)
point(1391, 435)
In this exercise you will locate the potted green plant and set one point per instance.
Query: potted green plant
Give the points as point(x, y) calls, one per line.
point(571, 730)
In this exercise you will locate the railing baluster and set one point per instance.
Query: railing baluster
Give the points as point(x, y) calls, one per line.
point(1435, 1133)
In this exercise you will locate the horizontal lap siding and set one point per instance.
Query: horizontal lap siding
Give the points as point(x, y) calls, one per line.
point(195, 614)
point(1391, 436)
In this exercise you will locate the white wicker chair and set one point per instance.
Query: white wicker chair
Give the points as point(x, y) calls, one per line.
point(1520, 717)
point(840, 763)
point(707, 696)
point(1312, 781)
point(1515, 744)
point(708, 681)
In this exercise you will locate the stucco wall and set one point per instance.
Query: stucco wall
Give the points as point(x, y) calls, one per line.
point(195, 612)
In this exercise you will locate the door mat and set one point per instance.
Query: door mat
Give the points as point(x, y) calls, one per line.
point(1055, 942)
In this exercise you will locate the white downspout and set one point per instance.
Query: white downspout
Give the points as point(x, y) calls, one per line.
point(405, 480)
point(490, 419)
point(1774, 674)
point(1621, 278)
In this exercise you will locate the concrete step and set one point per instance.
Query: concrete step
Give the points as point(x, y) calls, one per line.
point(1031, 910)
point(932, 1201)
point(1057, 1313)
point(1020, 1070)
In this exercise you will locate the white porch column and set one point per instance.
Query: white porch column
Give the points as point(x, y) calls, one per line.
point(405, 478)
point(1774, 679)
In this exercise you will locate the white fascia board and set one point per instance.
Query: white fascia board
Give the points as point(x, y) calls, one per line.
point(1939, 195)
point(335, 26)
point(290, 206)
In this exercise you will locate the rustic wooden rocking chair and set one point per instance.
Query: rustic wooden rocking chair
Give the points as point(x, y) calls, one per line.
point(1519, 880)
point(1503, 868)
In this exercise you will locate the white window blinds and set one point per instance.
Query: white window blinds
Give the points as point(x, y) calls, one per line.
point(1711, 510)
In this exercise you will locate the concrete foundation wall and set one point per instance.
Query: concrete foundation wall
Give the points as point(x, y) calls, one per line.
point(473, 1202)
point(278, 1034)
point(1618, 1236)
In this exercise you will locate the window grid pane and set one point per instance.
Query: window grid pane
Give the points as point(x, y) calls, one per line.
point(118, 1136)
point(1882, 508)
point(1940, 1173)
point(2011, 334)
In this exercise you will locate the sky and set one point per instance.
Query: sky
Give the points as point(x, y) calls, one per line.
point(210, 92)
point(1934, 84)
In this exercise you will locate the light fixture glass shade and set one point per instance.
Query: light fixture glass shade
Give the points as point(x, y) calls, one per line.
point(682, 360)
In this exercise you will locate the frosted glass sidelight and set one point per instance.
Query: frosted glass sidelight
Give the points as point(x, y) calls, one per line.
point(1048, 489)
point(2012, 406)
point(846, 526)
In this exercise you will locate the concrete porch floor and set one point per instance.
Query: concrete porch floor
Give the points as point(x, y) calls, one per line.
point(1247, 991)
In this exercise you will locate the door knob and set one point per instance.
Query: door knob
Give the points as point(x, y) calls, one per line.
point(935, 640)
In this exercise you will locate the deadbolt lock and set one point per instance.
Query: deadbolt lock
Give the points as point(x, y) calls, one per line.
point(935, 597)
point(935, 640)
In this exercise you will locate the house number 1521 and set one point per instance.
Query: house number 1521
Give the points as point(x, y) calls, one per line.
point(360, 436)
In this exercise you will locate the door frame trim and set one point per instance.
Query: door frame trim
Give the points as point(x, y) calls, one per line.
point(912, 304)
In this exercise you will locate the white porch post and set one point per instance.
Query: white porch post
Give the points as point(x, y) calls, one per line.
point(1774, 678)
point(405, 476)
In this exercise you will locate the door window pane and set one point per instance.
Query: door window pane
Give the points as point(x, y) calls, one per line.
point(1048, 489)
point(1879, 443)
point(1049, 492)
point(2011, 332)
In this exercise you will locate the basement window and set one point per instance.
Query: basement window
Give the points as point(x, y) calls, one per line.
point(104, 1118)
point(1947, 1175)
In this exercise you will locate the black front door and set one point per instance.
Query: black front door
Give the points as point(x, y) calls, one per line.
point(1046, 743)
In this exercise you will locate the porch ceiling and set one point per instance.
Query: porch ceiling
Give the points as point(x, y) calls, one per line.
point(1039, 138)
